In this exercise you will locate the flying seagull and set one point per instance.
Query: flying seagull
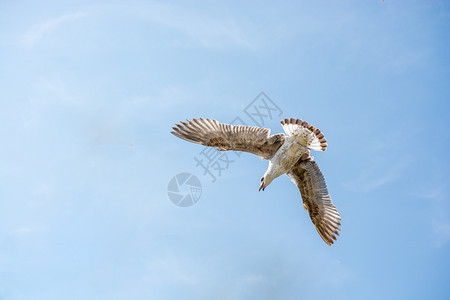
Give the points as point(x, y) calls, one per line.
point(287, 154)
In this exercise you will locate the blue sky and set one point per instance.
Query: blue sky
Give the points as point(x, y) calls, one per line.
point(90, 89)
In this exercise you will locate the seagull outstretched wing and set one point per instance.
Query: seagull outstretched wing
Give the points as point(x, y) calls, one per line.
point(316, 199)
point(211, 133)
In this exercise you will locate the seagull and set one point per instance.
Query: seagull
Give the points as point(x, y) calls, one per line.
point(287, 154)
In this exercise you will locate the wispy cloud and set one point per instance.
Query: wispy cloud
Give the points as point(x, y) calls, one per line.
point(37, 31)
point(201, 30)
point(53, 90)
point(441, 230)
point(170, 268)
point(47, 94)
point(440, 222)
point(381, 163)
point(21, 231)
point(378, 174)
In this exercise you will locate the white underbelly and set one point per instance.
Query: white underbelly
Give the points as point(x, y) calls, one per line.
point(286, 157)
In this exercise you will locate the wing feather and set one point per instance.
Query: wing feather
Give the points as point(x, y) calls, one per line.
point(211, 133)
point(309, 135)
point(316, 199)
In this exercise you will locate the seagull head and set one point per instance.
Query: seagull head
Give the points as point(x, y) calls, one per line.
point(265, 181)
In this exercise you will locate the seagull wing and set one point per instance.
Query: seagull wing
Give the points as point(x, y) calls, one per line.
point(211, 133)
point(316, 199)
point(306, 134)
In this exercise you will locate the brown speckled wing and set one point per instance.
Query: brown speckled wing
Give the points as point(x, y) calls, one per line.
point(211, 133)
point(316, 199)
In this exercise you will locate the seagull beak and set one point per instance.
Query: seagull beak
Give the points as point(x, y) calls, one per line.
point(262, 187)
